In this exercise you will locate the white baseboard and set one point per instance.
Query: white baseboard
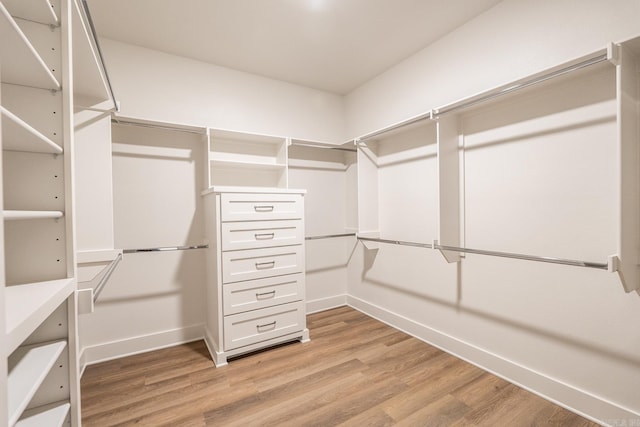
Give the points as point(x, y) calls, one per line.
point(140, 344)
point(579, 401)
point(328, 303)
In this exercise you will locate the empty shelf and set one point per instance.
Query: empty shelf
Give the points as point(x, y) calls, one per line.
point(28, 367)
point(50, 415)
point(18, 135)
point(28, 305)
point(38, 11)
point(26, 66)
point(19, 215)
point(227, 164)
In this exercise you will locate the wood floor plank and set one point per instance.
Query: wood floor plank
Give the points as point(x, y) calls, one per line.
point(355, 371)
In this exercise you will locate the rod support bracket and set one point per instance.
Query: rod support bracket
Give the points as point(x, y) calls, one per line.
point(613, 263)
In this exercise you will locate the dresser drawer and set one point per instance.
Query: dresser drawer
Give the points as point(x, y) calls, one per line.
point(255, 294)
point(256, 207)
point(258, 263)
point(261, 234)
point(260, 325)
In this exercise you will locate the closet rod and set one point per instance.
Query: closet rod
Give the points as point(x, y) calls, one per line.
point(328, 147)
point(94, 35)
point(408, 122)
point(106, 277)
point(587, 264)
point(397, 242)
point(154, 126)
point(517, 86)
point(330, 236)
point(164, 249)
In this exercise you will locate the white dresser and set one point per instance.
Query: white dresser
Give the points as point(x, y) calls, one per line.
point(255, 269)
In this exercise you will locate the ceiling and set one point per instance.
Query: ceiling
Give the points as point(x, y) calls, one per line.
point(331, 45)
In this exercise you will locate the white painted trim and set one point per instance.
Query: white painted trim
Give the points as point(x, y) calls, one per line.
point(218, 358)
point(565, 395)
point(328, 303)
point(141, 344)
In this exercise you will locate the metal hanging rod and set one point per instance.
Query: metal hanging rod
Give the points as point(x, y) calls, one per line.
point(575, 263)
point(87, 14)
point(156, 126)
point(435, 113)
point(408, 122)
point(330, 236)
point(328, 147)
point(515, 87)
point(164, 249)
point(105, 278)
point(397, 242)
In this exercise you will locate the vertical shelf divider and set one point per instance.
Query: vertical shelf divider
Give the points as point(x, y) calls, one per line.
point(628, 87)
point(449, 209)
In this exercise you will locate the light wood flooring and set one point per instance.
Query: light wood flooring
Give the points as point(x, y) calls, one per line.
point(355, 371)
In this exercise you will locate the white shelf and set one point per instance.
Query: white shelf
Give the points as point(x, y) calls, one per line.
point(28, 367)
point(27, 306)
point(89, 83)
point(26, 67)
point(50, 415)
point(18, 135)
point(35, 10)
point(242, 189)
point(247, 165)
point(22, 215)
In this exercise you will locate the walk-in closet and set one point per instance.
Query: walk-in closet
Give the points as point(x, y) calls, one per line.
point(322, 212)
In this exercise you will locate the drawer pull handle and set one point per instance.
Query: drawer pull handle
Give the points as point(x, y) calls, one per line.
point(266, 295)
point(265, 265)
point(263, 208)
point(262, 328)
point(264, 236)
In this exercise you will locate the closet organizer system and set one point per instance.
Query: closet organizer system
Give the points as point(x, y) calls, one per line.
point(255, 220)
point(255, 226)
point(50, 62)
point(441, 131)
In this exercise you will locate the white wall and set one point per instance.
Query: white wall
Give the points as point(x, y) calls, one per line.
point(540, 186)
point(513, 39)
point(328, 209)
point(157, 86)
point(152, 299)
point(94, 195)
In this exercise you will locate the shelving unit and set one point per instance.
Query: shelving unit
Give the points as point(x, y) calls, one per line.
point(387, 209)
point(39, 340)
point(328, 173)
point(18, 135)
point(26, 67)
point(49, 415)
point(243, 159)
point(28, 368)
point(459, 132)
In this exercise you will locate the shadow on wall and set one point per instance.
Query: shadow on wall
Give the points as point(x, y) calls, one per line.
point(369, 257)
point(157, 179)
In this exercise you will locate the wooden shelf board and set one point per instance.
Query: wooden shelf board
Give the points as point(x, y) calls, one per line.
point(28, 305)
point(26, 67)
point(12, 215)
point(41, 11)
point(49, 415)
point(18, 135)
point(28, 367)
